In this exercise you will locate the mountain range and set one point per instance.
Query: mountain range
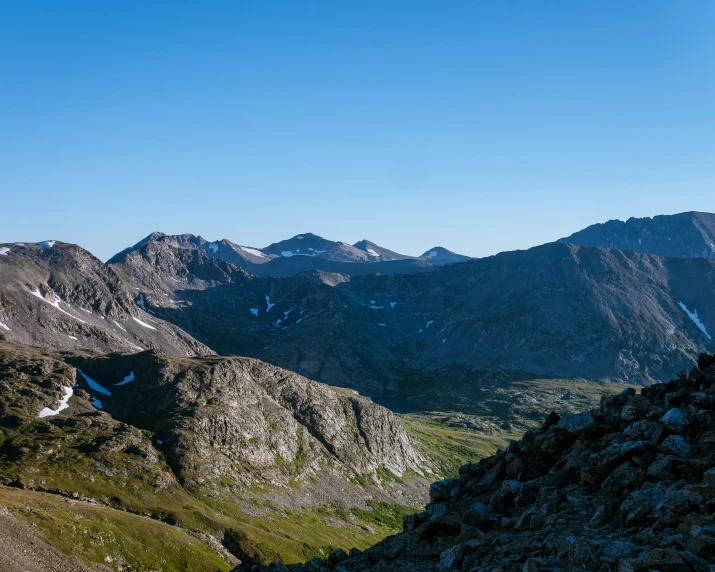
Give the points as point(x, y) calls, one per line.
point(557, 310)
point(233, 394)
point(304, 252)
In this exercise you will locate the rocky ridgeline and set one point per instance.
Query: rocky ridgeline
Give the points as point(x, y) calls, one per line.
point(628, 487)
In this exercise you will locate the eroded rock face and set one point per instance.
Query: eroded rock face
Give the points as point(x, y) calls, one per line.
point(242, 419)
point(629, 486)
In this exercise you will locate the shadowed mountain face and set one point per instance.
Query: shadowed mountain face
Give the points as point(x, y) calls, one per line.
point(685, 235)
point(604, 489)
point(58, 295)
point(559, 310)
point(301, 253)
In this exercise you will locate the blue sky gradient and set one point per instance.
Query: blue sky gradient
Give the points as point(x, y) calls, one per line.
point(479, 126)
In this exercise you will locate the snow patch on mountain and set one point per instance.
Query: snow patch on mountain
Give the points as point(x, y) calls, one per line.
point(138, 321)
point(4, 250)
point(55, 303)
point(268, 303)
point(64, 404)
point(252, 251)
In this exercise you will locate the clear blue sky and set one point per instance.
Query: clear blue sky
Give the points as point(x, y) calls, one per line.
point(481, 126)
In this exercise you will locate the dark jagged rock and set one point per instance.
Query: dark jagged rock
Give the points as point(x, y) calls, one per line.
point(601, 490)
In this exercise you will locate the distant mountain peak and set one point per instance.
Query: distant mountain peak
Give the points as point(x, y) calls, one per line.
point(375, 251)
point(444, 256)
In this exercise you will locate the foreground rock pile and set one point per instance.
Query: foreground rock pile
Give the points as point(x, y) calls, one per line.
point(628, 487)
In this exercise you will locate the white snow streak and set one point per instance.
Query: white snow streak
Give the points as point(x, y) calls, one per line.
point(393, 304)
point(4, 250)
point(371, 252)
point(254, 311)
point(47, 412)
point(268, 302)
point(55, 304)
point(253, 251)
point(138, 321)
point(4, 327)
point(47, 243)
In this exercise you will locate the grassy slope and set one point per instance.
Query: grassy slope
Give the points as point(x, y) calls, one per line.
point(448, 447)
point(93, 533)
point(441, 436)
point(67, 460)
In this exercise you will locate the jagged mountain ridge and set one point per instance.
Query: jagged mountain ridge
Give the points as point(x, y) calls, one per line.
point(58, 295)
point(684, 235)
point(301, 253)
point(558, 309)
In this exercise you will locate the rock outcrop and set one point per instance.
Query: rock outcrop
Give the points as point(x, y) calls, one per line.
point(629, 486)
point(240, 419)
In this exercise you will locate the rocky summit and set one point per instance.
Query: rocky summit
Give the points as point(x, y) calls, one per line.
point(629, 486)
